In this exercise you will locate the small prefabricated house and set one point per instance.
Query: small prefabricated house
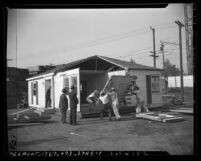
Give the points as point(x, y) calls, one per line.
point(94, 73)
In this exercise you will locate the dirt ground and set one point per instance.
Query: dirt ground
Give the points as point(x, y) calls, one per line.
point(129, 134)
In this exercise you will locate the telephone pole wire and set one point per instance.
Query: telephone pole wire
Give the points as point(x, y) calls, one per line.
point(181, 60)
point(154, 47)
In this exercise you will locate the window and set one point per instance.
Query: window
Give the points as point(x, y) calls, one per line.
point(74, 82)
point(69, 81)
point(155, 83)
point(66, 83)
point(34, 89)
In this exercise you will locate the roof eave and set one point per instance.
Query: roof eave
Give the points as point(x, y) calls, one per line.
point(40, 76)
point(145, 68)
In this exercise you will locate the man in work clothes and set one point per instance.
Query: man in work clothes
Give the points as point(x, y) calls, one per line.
point(73, 106)
point(63, 105)
point(135, 90)
point(93, 98)
point(106, 103)
point(115, 103)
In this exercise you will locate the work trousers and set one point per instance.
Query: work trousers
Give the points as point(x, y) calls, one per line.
point(141, 105)
point(73, 116)
point(63, 115)
point(116, 110)
point(109, 109)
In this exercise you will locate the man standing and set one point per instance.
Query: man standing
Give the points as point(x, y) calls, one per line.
point(135, 90)
point(48, 99)
point(73, 106)
point(63, 105)
point(115, 103)
point(106, 103)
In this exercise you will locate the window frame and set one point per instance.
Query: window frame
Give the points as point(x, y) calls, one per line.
point(155, 83)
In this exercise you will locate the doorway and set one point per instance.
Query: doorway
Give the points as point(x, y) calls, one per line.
point(149, 90)
point(48, 94)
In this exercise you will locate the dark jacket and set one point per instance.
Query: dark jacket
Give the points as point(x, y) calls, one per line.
point(73, 99)
point(63, 102)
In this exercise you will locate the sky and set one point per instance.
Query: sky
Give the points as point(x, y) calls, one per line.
point(59, 36)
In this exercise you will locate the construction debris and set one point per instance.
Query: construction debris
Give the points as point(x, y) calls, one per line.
point(172, 99)
point(26, 116)
point(159, 117)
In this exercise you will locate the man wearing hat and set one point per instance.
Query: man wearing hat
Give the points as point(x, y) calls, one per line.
point(73, 105)
point(63, 105)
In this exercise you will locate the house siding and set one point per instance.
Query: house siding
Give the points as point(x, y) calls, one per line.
point(141, 81)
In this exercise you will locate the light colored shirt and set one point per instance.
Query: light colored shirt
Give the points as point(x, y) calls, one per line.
point(104, 99)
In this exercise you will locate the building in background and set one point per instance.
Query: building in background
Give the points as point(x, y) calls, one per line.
point(34, 70)
point(174, 81)
point(16, 85)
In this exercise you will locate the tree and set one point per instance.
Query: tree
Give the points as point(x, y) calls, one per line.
point(170, 69)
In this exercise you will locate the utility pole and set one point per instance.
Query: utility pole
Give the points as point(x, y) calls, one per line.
point(181, 61)
point(162, 51)
point(165, 76)
point(154, 48)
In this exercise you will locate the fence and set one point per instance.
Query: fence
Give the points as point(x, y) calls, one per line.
point(174, 81)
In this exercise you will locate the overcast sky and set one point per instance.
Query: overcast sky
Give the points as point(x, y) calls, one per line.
point(59, 36)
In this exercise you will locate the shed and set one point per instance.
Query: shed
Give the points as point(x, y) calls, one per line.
point(94, 73)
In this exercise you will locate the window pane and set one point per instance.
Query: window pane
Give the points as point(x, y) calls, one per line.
point(74, 81)
point(66, 82)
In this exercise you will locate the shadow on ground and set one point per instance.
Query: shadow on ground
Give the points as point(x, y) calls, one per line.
point(40, 141)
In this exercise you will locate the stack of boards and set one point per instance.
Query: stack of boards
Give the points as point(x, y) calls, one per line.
point(26, 116)
point(159, 117)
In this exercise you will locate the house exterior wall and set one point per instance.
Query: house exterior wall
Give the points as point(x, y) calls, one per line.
point(58, 86)
point(41, 93)
point(29, 93)
point(141, 81)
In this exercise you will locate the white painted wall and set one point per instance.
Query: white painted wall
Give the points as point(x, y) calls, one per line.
point(58, 86)
point(141, 81)
point(29, 93)
point(41, 93)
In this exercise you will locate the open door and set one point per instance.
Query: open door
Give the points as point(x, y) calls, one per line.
point(48, 93)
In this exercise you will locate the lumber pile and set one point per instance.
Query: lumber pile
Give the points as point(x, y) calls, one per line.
point(159, 117)
point(26, 116)
point(171, 99)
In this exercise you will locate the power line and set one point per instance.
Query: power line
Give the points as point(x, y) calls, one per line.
point(114, 37)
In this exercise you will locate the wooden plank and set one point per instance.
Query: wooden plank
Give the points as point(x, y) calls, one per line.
point(25, 124)
point(19, 112)
point(186, 111)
